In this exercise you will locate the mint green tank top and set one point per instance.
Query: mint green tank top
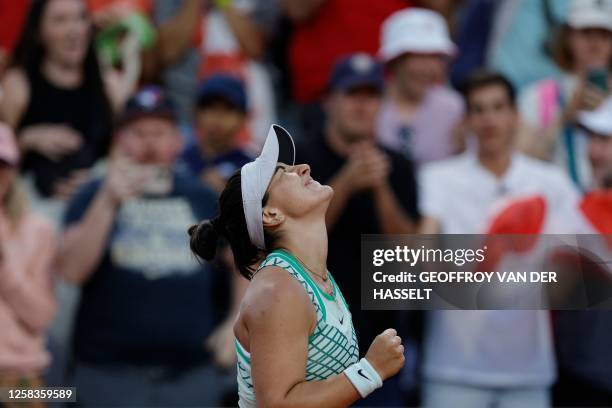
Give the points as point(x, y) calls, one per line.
point(332, 347)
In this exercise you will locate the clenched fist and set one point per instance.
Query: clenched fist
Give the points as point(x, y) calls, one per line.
point(386, 354)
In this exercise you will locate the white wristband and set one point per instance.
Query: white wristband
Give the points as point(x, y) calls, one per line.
point(364, 377)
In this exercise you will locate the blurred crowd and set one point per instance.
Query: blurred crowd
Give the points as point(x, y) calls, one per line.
point(121, 120)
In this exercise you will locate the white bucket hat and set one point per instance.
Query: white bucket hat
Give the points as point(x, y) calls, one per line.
point(255, 178)
point(599, 120)
point(414, 30)
point(590, 14)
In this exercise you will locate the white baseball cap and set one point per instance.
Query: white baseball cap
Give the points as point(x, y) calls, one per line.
point(599, 120)
point(414, 30)
point(255, 178)
point(590, 14)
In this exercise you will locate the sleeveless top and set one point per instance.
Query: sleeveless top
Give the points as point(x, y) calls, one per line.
point(83, 109)
point(332, 347)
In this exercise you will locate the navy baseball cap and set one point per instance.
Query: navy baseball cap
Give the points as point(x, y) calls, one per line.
point(149, 101)
point(355, 71)
point(223, 86)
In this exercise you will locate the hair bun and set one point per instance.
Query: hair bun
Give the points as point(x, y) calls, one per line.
point(204, 239)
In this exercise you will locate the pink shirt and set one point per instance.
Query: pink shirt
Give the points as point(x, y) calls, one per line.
point(428, 136)
point(27, 299)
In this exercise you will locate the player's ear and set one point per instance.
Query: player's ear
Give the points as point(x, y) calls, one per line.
point(272, 217)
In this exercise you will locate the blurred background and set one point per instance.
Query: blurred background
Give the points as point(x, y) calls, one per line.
point(121, 120)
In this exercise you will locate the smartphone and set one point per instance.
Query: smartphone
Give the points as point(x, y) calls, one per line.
point(598, 78)
point(160, 182)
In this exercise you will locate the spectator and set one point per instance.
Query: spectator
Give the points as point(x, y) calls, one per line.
point(235, 34)
point(550, 106)
point(374, 188)
point(58, 100)
point(27, 300)
point(119, 23)
point(316, 22)
point(176, 56)
point(231, 38)
point(484, 358)
point(147, 307)
point(521, 38)
point(322, 32)
point(221, 112)
point(598, 126)
point(583, 338)
point(420, 114)
point(473, 30)
point(449, 9)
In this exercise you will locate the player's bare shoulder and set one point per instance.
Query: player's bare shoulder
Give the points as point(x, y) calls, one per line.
point(274, 291)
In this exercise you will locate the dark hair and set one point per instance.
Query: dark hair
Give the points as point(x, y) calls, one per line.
point(481, 79)
point(29, 54)
point(561, 52)
point(231, 225)
point(207, 102)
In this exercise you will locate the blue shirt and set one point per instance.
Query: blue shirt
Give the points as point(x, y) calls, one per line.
point(149, 301)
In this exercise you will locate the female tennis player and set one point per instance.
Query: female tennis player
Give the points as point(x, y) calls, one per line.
point(295, 339)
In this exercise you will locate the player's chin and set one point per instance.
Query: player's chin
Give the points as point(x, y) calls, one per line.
point(319, 189)
point(327, 191)
point(318, 186)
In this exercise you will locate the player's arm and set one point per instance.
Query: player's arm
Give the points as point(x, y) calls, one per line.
point(279, 320)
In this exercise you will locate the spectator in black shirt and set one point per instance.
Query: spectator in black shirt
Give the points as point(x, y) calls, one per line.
point(374, 188)
point(60, 100)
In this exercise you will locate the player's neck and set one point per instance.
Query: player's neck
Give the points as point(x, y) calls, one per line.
point(309, 245)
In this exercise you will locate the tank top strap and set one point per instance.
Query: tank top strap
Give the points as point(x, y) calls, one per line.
point(338, 291)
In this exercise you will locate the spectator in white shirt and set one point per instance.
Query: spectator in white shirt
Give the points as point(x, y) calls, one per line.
point(489, 358)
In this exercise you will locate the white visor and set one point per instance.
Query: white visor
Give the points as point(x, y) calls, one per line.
point(255, 178)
